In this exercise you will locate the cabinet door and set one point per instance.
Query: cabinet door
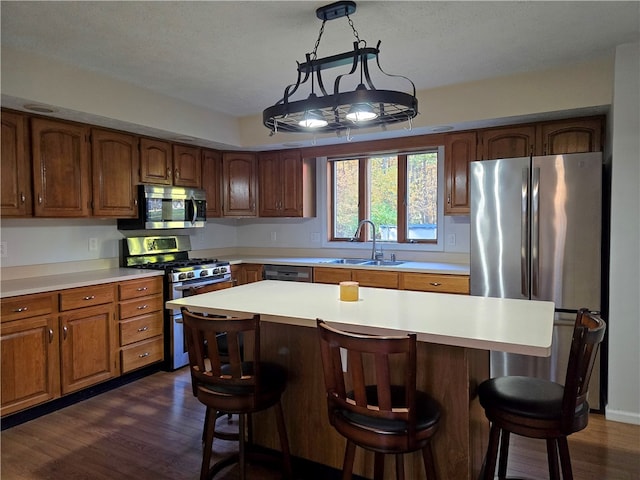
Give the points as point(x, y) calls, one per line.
point(30, 364)
point(291, 183)
point(376, 278)
point(239, 184)
point(212, 181)
point(331, 275)
point(509, 142)
point(156, 164)
point(87, 347)
point(60, 169)
point(460, 149)
point(187, 170)
point(429, 282)
point(15, 170)
point(253, 272)
point(570, 136)
point(271, 184)
point(115, 160)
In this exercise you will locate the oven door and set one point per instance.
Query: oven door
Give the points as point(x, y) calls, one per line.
point(178, 354)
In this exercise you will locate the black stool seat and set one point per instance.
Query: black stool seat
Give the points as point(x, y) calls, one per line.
point(538, 408)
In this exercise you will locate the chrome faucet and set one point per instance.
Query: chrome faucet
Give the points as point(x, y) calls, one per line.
point(375, 255)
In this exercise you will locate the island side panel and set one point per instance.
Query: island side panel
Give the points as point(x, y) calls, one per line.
point(450, 374)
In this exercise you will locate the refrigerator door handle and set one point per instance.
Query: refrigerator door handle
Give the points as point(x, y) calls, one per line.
point(524, 234)
point(535, 232)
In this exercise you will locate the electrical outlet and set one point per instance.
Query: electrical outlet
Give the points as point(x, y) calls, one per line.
point(273, 236)
point(93, 244)
point(315, 237)
point(3, 250)
point(451, 239)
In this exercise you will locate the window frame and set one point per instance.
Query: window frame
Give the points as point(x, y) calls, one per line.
point(402, 192)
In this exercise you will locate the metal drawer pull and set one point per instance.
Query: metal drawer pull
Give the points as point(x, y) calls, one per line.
point(143, 329)
point(21, 309)
point(142, 289)
point(90, 297)
point(142, 307)
point(145, 354)
point(435, 284)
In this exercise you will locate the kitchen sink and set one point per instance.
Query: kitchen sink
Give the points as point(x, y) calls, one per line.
point(350, 261)
point(364, 261)
point(383, 263)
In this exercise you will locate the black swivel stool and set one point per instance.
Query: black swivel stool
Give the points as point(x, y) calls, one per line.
point(538, 408)
point(370, 409)
point(232, 385)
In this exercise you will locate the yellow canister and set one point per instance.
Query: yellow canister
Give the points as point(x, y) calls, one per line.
point(349, 291)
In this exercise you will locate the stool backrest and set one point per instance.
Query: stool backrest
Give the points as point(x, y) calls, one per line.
point(588, 333)
point(387, 364)
point(209, 363)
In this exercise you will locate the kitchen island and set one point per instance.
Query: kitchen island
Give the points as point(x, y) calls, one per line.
point(455, 335)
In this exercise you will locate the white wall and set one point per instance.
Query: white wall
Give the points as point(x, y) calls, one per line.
point(624, 310)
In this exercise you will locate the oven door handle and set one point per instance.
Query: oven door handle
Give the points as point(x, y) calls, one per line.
point(196, 285)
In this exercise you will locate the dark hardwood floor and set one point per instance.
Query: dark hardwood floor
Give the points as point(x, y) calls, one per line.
point(151, 429)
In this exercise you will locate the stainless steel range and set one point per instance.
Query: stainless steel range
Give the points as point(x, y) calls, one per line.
point(184, 277)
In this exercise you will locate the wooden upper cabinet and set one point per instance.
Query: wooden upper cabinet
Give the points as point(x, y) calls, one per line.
point(115, 161)
point(187, 171)
point(570, 136)
point(15, 171)
point(156, 162)
point(212, 181)
point(239, 171)
point(507, 142)
point(286, 184)
point(460, 149)
point(60, 168)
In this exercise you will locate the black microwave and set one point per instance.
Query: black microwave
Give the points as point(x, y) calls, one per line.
point(163, 207)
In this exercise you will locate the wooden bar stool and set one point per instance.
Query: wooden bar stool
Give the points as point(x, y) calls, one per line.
point(374, 404)
point(537, 408)
point(234, 385)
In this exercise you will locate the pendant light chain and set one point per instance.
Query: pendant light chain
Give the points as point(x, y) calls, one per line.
point(355, 32)
point(314, 55)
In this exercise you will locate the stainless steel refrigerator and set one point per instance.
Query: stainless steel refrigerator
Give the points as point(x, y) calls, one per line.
point(536, 228)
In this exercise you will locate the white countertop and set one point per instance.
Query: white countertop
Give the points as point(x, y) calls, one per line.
point(507, 325)
point(406, 266)
point(49, 283)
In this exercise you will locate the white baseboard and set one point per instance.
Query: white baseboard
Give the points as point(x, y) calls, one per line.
point(622, 416)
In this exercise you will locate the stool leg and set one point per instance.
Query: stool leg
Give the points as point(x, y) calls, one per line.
point(347, 465)
point(504, 454)
point(284, 441)
point(565, 459)
point(552, 456)
point(429, 465)
point(378, 466)
point(242, 450)
point(210, 423)
point(399, 466)
point(492, 453)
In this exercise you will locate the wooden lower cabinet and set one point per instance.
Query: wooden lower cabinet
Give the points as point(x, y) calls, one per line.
point(331, 275)
point(428, 282)
point(30, 365)
point(87, 350)
point(376, 278)
point(244, 273)
point(140, 325)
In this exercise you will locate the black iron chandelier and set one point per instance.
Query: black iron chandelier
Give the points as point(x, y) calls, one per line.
point(337, 111)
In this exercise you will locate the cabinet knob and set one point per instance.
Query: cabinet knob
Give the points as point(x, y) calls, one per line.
point(50, 336)
point(169, 172)
point(435, 284)
point(22, 197)
point(65, 330)
point(177, 173)
point(40, 199)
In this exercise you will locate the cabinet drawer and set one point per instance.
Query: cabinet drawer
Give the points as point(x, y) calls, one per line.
point(140, 328)
point(140, 306)
point(86, 297)
point(141, 354)
point(26, 306)
point(331, 275)
point(368, 278)
point(435, 283)
point(139, 288)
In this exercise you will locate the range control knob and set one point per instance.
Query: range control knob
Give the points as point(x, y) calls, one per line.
point(204, 273)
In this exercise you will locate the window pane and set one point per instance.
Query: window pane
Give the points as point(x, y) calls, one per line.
point(383, 196)
point(422, 196)
point(346, 198)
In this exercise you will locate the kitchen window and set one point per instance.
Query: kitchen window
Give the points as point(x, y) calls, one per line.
point(398, 192)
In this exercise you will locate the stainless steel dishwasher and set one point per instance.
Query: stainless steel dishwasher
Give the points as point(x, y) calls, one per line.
point(288, 273)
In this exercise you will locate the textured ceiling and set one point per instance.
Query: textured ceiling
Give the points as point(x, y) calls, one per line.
point(237, 57)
